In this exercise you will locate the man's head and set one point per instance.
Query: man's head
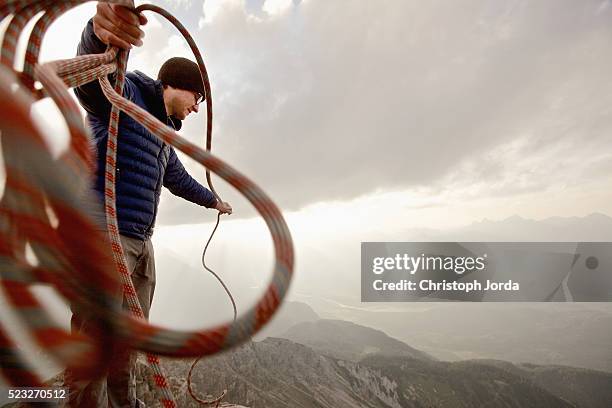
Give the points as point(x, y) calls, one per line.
point(183, 88)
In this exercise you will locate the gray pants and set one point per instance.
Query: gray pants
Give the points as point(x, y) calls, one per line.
point(118, 388)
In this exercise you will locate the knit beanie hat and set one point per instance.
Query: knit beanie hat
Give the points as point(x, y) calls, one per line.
point(182, 73)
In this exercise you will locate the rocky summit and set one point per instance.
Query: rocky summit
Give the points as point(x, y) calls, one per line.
point(279, 373)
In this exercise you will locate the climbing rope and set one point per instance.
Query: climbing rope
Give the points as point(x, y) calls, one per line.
point(209, 122)
point(207, 90)
point(71, 248)
point(217, 399)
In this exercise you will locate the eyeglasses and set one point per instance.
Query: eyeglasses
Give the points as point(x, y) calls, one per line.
point(199, 98)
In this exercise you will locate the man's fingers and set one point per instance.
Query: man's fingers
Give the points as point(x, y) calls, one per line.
point(125, 14)
point(129, 17)
point(124, 21)
point(143, 19)
point(109, 38)
point(225, 209)
point(107, 19)
point(105, 32)
point(105, 25)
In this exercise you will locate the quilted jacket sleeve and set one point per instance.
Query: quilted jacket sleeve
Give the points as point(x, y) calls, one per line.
point(180, 183)
point(90, 95)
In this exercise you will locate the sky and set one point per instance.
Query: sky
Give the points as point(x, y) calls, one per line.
point(484, 109)
point(366, 121)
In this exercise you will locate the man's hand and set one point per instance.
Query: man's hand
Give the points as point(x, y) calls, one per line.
point(224, 208)
point(118, 25)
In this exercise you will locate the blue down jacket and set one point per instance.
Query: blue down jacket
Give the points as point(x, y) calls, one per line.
point(144, 163)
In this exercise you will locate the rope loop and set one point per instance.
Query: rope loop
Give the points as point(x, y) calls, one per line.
point(48, 206)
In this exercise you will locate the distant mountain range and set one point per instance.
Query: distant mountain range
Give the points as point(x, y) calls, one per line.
point(339, 364)
point(593, 227)
point(349, 341)
point(569, 334)
point(577, 335)
point(377, 355)
point(277, 373)
point(289, 314)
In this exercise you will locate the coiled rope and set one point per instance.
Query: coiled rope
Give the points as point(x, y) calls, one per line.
point(48, 204)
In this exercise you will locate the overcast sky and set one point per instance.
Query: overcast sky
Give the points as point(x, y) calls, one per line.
point(441, 103)
point(364, 119)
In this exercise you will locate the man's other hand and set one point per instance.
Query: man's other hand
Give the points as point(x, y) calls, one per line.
point(224, 208)
point(118, 25)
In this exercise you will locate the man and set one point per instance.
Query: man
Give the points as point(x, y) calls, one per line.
point(144, 165)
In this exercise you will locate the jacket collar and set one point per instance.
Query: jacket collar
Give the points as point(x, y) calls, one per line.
point(153, 94)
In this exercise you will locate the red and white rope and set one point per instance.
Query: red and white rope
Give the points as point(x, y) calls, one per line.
point(74, 255)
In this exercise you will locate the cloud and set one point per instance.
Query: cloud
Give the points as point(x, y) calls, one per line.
point(335, 100)
point(338, 99)
point(324, 101)
point(212, 8)
point(179, 3)
point(274, 7)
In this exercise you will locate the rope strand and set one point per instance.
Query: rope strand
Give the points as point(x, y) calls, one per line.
point(218, 399)
point(75, 256)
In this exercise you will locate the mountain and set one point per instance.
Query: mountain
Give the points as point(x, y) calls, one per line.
point(585, 388)
point(349, 341)
point(461, 384)
point(289, 314)
point(278, 373)
point(569, 334)
point(593, 227)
